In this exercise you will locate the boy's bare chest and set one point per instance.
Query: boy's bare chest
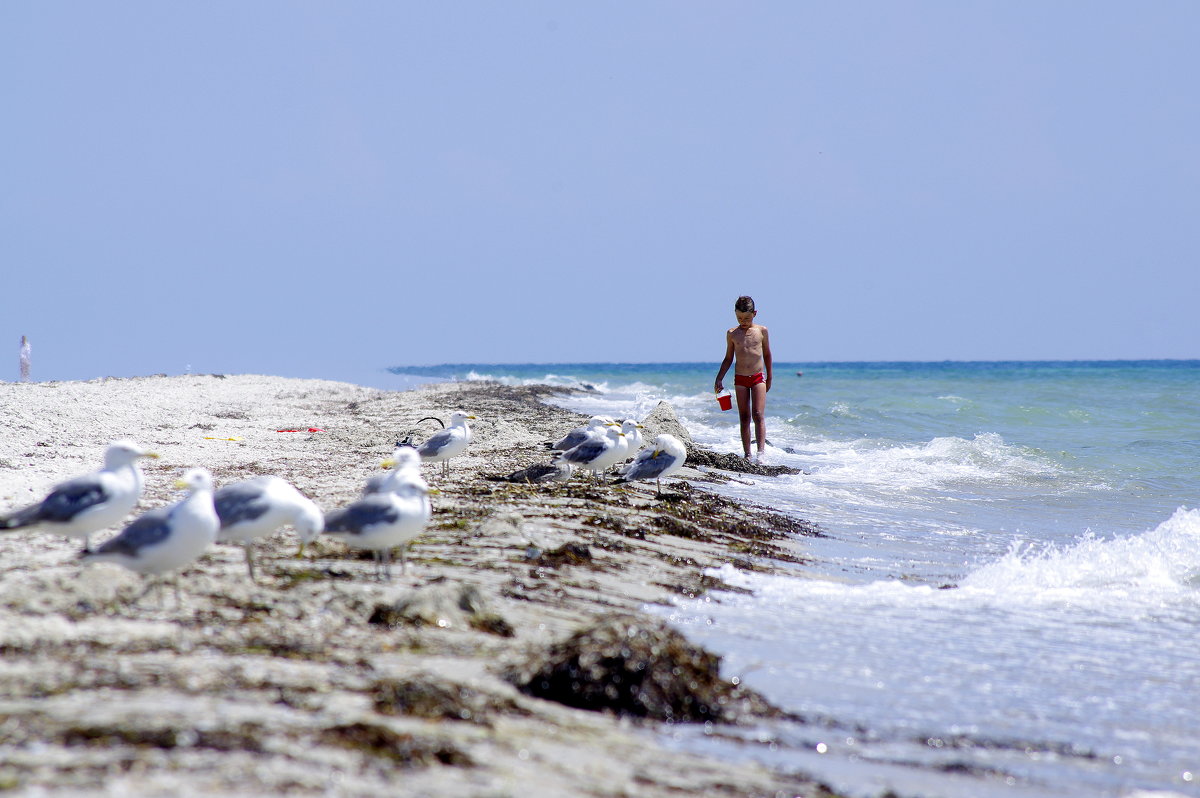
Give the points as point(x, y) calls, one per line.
point(747, 340)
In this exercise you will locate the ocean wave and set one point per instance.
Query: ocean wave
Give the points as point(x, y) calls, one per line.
point(1165, 559)
point(1155, 574)
point(945, 463)
point(553, 380)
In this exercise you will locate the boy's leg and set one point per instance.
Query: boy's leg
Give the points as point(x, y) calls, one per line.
point(743, 402)
point(758, 395)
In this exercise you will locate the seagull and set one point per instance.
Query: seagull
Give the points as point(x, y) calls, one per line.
point(167, 538)
point(633, 437)
point(405, 458)
point(598, 452)
point(580, 434)
point(662, 460)
point(449, 442)
point(254, 508)
point(87, 504)
point(379, 521)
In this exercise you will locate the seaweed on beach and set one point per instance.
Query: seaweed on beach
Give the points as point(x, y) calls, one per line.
point(425, 696)
point(443, 604)
point(566, 554)
point(398, 748)
point(638, 667)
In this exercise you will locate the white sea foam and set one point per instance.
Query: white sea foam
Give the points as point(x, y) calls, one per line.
point(1105, 580)
point(1150, 567)
point(555, 380)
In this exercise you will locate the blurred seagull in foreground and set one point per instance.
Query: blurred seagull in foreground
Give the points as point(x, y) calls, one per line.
point(254, 508)
point(87, 504)
point(662, 460)
point(405, 458)
point(449, 442)
point(394, 515)
point(167, 538)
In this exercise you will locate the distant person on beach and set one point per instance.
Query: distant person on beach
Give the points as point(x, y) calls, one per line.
point(25, 350)
point(747, 345)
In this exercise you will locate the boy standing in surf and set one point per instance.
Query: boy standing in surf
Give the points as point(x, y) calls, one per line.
point(747, 344)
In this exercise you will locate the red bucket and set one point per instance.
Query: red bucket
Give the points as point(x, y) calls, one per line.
point(725, 401)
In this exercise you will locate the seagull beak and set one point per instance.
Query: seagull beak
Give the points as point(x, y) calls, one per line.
point(151, 455)
point(387, 464)
point(180, 484)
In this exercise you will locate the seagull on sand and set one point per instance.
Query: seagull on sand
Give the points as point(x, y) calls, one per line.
point(87, 504)
point(633, 438)
point(405, 458)
point(254, 508)
point(600, 451)
point(658, 462)
point(580, 434)
point(167, 538)
point(449, 442)
point(380, 521)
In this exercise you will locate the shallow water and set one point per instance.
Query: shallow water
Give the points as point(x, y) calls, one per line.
point(1007, 601)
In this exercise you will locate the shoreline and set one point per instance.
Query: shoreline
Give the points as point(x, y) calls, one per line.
point(304, 682)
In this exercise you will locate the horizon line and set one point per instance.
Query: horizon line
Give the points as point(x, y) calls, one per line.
point(794, 362)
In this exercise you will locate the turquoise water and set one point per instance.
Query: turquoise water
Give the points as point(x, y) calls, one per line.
point(1007, 599)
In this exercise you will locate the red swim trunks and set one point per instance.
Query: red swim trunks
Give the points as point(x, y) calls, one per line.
point(749, 380)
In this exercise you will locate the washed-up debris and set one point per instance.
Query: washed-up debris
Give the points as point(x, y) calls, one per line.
point(638, 667)
point(444, 604)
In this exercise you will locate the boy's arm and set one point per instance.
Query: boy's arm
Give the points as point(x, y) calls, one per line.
point(719, 386)
point(767, 356)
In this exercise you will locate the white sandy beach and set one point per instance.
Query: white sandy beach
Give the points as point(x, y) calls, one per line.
point(295, 684)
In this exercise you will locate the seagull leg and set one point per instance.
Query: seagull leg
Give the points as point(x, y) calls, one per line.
point(249, 561)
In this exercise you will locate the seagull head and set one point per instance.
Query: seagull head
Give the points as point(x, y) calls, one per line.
point(124, 452)
point(404, 458)
point(195, 479)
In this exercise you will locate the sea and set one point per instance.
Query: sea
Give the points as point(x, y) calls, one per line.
point(1005, 597)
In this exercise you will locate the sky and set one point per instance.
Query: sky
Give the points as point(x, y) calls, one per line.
point(319, 189)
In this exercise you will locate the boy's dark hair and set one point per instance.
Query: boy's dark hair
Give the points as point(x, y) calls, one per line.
point(744, 304)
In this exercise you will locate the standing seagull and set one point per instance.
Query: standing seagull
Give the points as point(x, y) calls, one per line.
point(405, 458)
point(252, 509)
point(663, 460)
point(167, 538)
point(580, 434)
point(633, 438)
point(393, 515)
point(448, 443)
point(87, 504)
point(598, 452)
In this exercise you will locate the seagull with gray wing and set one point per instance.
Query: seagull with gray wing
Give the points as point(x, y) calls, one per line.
point(87, 504)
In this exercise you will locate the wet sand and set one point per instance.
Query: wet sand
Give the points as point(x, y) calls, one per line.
point(319, 678)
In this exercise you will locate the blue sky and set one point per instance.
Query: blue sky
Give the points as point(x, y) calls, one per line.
point(324, 189)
